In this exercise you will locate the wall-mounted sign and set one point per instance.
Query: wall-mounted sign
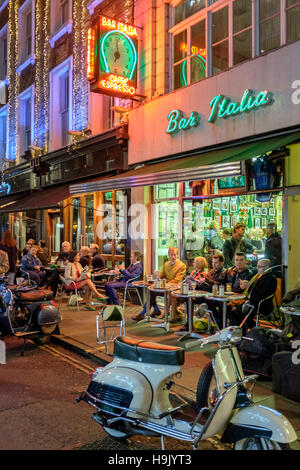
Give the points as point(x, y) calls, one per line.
point(179, 122)
point(222, 107)
point(112, 58)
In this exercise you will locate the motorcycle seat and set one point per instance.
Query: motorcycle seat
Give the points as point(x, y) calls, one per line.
point(147, 352)
point(35, 295)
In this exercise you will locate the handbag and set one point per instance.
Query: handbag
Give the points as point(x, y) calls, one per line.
point(73, 300)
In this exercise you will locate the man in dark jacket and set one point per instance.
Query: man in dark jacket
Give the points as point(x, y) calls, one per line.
point(273, 247)
point(237, 273)
point(260, 286)
point(97, 259)
point(134, 270)
point(235, 244)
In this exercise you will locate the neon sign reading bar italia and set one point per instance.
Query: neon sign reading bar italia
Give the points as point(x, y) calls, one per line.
point(222, 107)
point(112, 55)
point(178, 121)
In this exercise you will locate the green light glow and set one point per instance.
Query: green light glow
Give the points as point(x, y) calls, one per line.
point(222, 107)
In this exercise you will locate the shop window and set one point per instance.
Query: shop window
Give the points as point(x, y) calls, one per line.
point(198, 52)
point(180, 59)
point(166, 191)
point(242, 31)
point(220, 43)
point(89, 220)
point(167, 219)
point(187, 8)
point(292, 21)
point(269, 25)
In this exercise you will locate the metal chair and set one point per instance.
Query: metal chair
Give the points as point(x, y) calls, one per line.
point(259, 307)
point(114, 314)
point(61, 289)
point(127, 290)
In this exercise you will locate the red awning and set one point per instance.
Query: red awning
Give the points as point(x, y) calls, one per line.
point(42, 199)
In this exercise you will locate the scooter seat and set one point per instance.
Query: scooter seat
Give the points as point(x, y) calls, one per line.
point(150, 353)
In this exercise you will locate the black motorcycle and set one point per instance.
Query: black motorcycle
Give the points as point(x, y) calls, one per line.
point(27, 313)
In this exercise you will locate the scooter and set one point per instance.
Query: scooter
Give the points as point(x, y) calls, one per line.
point(132, 396)
point(27, 313)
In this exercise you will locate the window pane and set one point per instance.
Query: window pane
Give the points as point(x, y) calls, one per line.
point(180, 75)
point(242, 15)
point(269, 34)
point(220, 57)
point(198, 38)
point(180, 46)
point(242, 46)
point(293, 24)
point(188, 8)
point(220, 25)
point(198, 68)
point(268, 8)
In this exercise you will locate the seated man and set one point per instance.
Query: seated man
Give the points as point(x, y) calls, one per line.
point(234, 276)
point(260, 286)
point(97, 259)
point(134, 270)
point(237, 273)
point(32, 265)
point(173, 271)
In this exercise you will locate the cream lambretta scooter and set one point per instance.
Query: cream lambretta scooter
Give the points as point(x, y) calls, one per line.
point(132, 396)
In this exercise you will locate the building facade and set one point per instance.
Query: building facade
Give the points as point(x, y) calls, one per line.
point(213, 128)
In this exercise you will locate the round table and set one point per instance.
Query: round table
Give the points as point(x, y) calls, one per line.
point(225, 299)
point(164, 292)
point(189, 296)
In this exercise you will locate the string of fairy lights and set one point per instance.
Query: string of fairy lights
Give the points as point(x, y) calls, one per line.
point(13, 80)
point(41, 80)
point(80, 82)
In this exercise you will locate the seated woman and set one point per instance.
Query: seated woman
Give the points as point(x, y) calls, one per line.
point(32, 265)
point(197, 276)
point(75, 276)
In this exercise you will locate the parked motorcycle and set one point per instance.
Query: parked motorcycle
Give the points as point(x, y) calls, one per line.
point(132, 396)
point(27, 312)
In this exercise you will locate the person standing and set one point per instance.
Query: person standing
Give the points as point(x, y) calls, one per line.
point(9, 245)
point(236, 243)
point(273, 248)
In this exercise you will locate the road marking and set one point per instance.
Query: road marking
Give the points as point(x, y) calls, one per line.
point(68, 359)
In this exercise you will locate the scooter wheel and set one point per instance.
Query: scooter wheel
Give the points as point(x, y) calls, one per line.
point(206, 385)
point(259, 443)
point(41, 339)
point(116, 434)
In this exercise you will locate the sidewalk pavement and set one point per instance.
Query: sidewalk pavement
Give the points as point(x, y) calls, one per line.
point(78, 332)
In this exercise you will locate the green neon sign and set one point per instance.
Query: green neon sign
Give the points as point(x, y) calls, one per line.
point(222, 107)
point(178, 121)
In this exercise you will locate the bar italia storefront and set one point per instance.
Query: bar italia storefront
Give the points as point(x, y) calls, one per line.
point(221, 151)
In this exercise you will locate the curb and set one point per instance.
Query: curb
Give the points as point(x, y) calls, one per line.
point(73, 346)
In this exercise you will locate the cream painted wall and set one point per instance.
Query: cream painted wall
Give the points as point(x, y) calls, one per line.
point(293, 240)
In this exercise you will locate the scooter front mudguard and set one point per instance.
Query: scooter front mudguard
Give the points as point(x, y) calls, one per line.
point(259, 421)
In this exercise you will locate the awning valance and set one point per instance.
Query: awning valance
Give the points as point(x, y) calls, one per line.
point(210, 165)
point(44, 199)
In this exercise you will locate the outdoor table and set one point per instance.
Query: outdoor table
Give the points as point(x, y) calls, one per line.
point(227, 297)
point(144, 285)
point(190, 296)
point(164, 292)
